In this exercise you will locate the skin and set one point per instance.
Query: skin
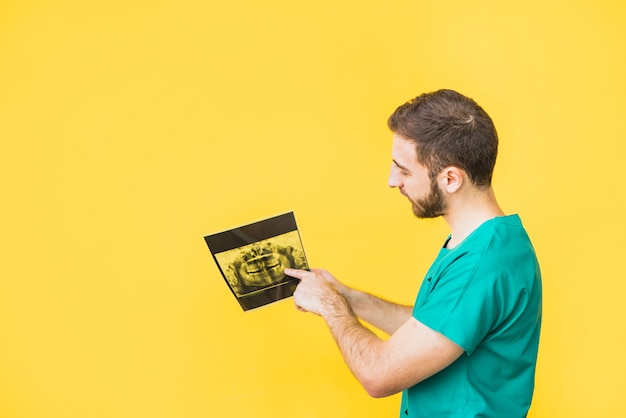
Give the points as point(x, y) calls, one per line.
point(413, 352)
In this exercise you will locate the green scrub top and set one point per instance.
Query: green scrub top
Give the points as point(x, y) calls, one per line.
point(484, 295)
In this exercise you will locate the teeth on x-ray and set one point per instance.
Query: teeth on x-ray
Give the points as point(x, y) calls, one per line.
point(261, 265)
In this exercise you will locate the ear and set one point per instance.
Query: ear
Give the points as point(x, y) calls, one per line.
point(452, 179)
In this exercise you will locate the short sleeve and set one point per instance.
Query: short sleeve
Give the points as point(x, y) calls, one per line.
point(458, 301)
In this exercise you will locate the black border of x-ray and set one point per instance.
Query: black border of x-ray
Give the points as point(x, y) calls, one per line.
point(249, 234)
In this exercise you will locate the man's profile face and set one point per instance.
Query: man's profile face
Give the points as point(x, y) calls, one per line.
point(413, 181)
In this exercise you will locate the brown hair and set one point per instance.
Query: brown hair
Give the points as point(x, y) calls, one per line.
point(449, 129)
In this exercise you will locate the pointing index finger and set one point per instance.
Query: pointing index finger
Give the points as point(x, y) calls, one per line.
point(294, 273)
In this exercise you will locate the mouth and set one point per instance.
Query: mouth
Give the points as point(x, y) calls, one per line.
point(262, 264)
point(265, 268)
point(264, 275)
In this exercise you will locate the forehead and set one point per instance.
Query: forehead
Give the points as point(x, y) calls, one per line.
point(403, 151)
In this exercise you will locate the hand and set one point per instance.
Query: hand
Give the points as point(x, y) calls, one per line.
point(317, 292)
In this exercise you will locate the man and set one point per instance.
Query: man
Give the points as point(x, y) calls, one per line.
point(468, 347)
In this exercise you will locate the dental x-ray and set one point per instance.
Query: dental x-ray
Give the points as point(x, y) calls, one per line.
point(252, 259)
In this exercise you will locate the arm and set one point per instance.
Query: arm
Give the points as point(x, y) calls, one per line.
point(413, 353)
point(384, 315)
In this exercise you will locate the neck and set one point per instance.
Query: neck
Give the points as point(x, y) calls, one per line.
point(467, 211)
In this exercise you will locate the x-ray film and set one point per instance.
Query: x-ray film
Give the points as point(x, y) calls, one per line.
point(253, 258)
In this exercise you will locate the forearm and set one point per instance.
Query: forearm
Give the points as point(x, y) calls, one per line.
point(360, 347)
point(384, 315)
point(411, 354)
point(379, 365)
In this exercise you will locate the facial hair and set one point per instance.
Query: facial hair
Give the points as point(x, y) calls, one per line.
point(431, 206)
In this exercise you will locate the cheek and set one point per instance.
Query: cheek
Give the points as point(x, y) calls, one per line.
point(418, 188)
point(411, 186)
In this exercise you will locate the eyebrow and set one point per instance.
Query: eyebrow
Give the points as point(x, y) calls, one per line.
point(400, 165)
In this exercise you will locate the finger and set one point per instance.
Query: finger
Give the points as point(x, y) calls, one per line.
point(300, 308)
point(298, 274)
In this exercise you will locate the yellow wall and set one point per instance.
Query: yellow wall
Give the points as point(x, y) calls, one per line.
point(131, 129)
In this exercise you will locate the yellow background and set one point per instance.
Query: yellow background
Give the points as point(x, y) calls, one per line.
point(131, 129)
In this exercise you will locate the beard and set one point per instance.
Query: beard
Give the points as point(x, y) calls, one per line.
point(431, 206)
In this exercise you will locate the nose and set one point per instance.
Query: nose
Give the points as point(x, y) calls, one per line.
point(394, 177)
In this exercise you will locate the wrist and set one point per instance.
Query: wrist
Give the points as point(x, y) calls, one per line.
point(337, 306)
point(348, 293)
